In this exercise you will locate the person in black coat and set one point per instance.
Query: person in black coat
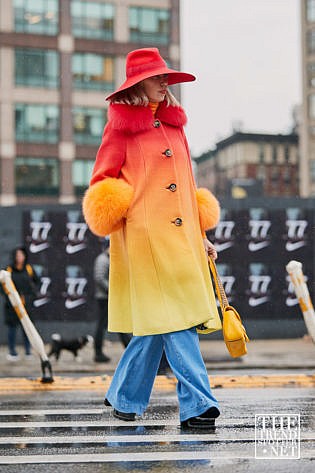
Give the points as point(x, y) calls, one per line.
point(26, 282)
point(101, 282)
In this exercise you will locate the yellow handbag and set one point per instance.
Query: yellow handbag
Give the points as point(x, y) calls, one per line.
point(234, 332)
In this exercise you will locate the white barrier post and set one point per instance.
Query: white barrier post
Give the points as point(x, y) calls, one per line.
point(294, 268)
point(30, 330)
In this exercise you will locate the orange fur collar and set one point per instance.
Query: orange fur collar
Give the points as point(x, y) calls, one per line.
point(133, 119)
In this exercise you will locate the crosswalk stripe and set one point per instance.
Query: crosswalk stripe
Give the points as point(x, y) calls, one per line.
point(87, 423)
point(112, 457)
point(124, 439)
point(46, 412)
point(129, 457)
point(151, 438)
point(109, 422)
point(162, 442)
point(113, 422)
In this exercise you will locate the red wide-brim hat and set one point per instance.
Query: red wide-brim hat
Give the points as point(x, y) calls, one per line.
point(147, 62)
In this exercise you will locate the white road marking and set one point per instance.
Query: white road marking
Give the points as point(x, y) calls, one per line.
point(128, 457)
point(113, 457)
point(124, 438)
point(46, 412)
point(136, 438)
point(113, 422)
point(221, 437)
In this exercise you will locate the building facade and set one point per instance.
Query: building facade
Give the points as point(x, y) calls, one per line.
point(58, 61)
point(251, 164)
point(307, 125)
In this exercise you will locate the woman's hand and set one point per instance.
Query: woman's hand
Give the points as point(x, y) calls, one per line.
point(210, 249)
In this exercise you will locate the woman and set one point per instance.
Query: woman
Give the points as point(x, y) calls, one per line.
point(25, 281)
point(142, 192)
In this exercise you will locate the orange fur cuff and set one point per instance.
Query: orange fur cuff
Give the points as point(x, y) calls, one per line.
point(209, 209)
point(105, 205)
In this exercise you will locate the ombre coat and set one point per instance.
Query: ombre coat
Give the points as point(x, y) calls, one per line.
point(143, 192)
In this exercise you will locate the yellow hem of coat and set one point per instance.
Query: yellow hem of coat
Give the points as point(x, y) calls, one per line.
point(216, 326)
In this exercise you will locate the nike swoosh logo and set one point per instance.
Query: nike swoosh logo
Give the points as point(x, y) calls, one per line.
point(257, 301)
point(291, 302)
point(223, 246)
point(34, 248)
point(73, 304)
point(291, 246)
point(252, 246)
point(40, 302)
point(70, 249)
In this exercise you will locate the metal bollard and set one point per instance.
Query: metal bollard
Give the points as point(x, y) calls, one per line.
point(29, 328)
point(294, 268)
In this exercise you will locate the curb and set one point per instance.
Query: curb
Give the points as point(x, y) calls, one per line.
point(162, 383)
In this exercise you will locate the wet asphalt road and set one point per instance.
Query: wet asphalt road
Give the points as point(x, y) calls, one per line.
point(72, 431)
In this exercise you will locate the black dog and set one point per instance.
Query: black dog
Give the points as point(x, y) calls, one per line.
point(58, 344)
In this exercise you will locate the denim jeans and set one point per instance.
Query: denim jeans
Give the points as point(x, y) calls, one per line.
point(12, 329)
point(133, 380)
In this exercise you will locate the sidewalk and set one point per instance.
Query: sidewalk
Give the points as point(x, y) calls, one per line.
point(274, 355)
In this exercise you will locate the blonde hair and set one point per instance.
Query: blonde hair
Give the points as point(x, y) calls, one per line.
point(135, 95)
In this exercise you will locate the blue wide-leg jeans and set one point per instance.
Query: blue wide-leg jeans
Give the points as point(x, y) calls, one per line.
point(133, 380)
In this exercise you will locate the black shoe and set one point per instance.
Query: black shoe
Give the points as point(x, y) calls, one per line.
point(211, 413)
point(106, 402)
point(205, 421)
point(101, 358)
point(127, 416)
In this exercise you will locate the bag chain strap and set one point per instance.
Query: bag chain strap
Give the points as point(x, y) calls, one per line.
point(218, 284)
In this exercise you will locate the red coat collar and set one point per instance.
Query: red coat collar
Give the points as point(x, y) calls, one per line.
point(133, 119)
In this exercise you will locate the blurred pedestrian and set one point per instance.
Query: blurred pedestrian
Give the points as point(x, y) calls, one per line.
point(101, 276)
point(143, 193)
point(26, 282)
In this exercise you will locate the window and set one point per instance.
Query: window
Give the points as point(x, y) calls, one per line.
point(36, 68)
point(88, 125)
point(261, 172)
point(312, 170)
point(93, 72)
point(92, 20)
point(36, 176)
point(311, 106)
point(149, 25)
point(311, 41)
point(36, 16)
point(310, 10)
point(274, 153)
point(37, 123)
point(311, 74)
point(274, 174)
point(261, 147)
point(81, 174)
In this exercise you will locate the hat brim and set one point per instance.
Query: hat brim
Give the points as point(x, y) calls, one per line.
point(174, 77)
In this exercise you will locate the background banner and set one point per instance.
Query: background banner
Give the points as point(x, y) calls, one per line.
point(62, 251)
point(254, 246)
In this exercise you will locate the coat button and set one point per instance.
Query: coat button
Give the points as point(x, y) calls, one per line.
point(172, 187)
point(178, 222)
point(157, 123)
point(168, 153)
